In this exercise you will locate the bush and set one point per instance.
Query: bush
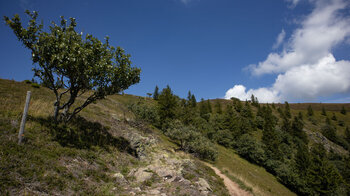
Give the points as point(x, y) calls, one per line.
point(201, 147)
point(145, 112)
point(224, 137)
point(191, 141)
point(250, 149)
point(35, 85)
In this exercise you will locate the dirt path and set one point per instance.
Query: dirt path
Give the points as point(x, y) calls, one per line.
point(232, 187)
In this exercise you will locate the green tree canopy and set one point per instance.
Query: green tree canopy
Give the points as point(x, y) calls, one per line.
point(156, 93)
point(343, 110)
point(168, 104)
point(70, 64)
point(310, 112)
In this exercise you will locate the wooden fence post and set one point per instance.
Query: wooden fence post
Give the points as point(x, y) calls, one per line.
point(24, 116)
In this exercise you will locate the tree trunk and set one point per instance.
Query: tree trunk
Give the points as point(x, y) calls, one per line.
point(56, 110)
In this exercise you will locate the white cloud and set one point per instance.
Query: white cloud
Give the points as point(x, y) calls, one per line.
point(307, 68)
point(279, 40)
point(307, 82)
point(321, 31)
point(263, 94)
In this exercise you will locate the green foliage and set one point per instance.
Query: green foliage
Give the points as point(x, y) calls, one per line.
point(204, 110)
point(270, 138)
point(210, 110)
point(343, 110)
point(334, 117)
point(27, 81)
point(192, 102)
point(324, 111)
point(67, 60)
point(250, 149)
point(191, 141)
point(310, 112)
point(322, 176)
point(254, 101)
point(35, 85)
point(145, 111)
point(218, 108)
point(167, 105)
point(329, 132)
point(287, 110)
point(300, 116)
point(297, 130)
point(156, 93)
point(302, 159)
point(224, 137)
point(347, 134)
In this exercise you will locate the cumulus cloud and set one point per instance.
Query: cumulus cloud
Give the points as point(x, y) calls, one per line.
point(309, 81)
point(279, 40)
point(264, 94)
point(306, 67)
point(321, 31)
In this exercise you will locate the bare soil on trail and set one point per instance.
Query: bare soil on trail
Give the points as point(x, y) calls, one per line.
point(232, 187)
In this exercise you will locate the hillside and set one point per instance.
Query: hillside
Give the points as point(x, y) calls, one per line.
point(118, 146)
point(104, 152)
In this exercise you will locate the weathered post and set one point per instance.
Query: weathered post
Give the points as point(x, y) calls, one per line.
point(24, 116)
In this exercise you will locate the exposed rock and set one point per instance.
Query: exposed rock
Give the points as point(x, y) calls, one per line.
point(203, 185)
point(328, 145)
point(119, 177)
point(137, 189)
point(153, 192)
point(139, 143)
point(141, 174)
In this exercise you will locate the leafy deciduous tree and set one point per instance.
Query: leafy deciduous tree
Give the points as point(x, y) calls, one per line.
point(70, 64)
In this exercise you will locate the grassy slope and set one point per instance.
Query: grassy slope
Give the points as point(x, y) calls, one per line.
point(44, 165)
point(72, 163)
point(249, 176)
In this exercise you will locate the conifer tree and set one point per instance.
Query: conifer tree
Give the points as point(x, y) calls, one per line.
point(203, 110)
point(193, 101)
point(297, 130)
point(324, 111)
point(269, 137)
point(156, 93)
point(189, 96)
point(286, 126)
point(322, 176)
point(229, 118)
point(347, 134)
point(334, 117)
point(300, 116)
point(287, 110)
point(343, 111)
point(238, 106)
point(209, 106)
point(218, 108)
point(167, 102)
point(302, 159)
point(310, 112)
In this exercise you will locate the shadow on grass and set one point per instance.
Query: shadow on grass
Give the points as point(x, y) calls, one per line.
point(83, 134)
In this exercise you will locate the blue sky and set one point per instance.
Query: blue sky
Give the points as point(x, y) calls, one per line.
point(215, 48)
